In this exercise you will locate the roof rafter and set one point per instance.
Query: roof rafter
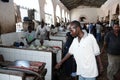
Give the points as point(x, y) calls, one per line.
point(71, 4)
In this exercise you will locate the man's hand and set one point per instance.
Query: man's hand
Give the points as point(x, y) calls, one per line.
point(103, 51)
point(22, 37)
point(58, 65)
point(28, 43)
point(100, 65)
point(101, 69)
point(62, 61)
point(49, 39)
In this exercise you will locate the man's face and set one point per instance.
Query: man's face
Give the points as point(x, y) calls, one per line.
point(116, 28)
point(74, 31)
point(30, 30)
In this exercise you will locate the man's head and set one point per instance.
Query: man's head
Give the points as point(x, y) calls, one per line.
point(42, 23)
point(30, 29)
point(75, 28)
point(116, 27)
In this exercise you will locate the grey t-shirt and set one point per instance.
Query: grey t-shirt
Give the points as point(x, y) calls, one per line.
point(113, 43)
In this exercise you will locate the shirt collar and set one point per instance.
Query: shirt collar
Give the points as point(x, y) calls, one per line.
point(85, 33)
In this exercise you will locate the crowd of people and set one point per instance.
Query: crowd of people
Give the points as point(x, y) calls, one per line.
point(86, 43)
point(42, 31)
point(82, 50)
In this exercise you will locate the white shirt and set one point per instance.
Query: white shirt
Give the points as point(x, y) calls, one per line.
point(42, 32)
point(61, 28)
point(55, 30)
point(84, 53)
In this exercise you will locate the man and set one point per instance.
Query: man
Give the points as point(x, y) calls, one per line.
point(84, 48)
point(43, 32)
point(70, 64)
point(98, 31)
point(30, 36)
point(112, 43)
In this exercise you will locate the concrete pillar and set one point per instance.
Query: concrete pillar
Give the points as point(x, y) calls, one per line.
point(54, 16)
point(7, 17)
point(42, 12)
point(111, 17)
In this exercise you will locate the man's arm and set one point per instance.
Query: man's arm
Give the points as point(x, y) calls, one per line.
point(97, 54)
point(100, 65)
point(62, 61)
point(106, 42)
point(104, 47)
point(32, 41)
point(48, 35)
point(37, 32)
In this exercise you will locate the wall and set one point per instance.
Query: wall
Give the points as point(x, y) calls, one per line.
point(7, 18)
point(55, 3)
point(93, 14)
point(83, 11)
point(7, 14)
point(110, 5)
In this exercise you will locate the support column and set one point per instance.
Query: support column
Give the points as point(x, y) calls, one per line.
point(41, 7)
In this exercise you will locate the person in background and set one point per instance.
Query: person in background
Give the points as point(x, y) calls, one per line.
point(30, 36)
point(61, 28)
point(85, 50)
point(54, 30)
point(92, 29)
point(70, 64)
point(112, 44)
point(43, 32)
point(85, 27)
point(98, 31)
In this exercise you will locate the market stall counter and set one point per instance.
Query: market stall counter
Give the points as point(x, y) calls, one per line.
point(13, 54)
point(23, 68)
